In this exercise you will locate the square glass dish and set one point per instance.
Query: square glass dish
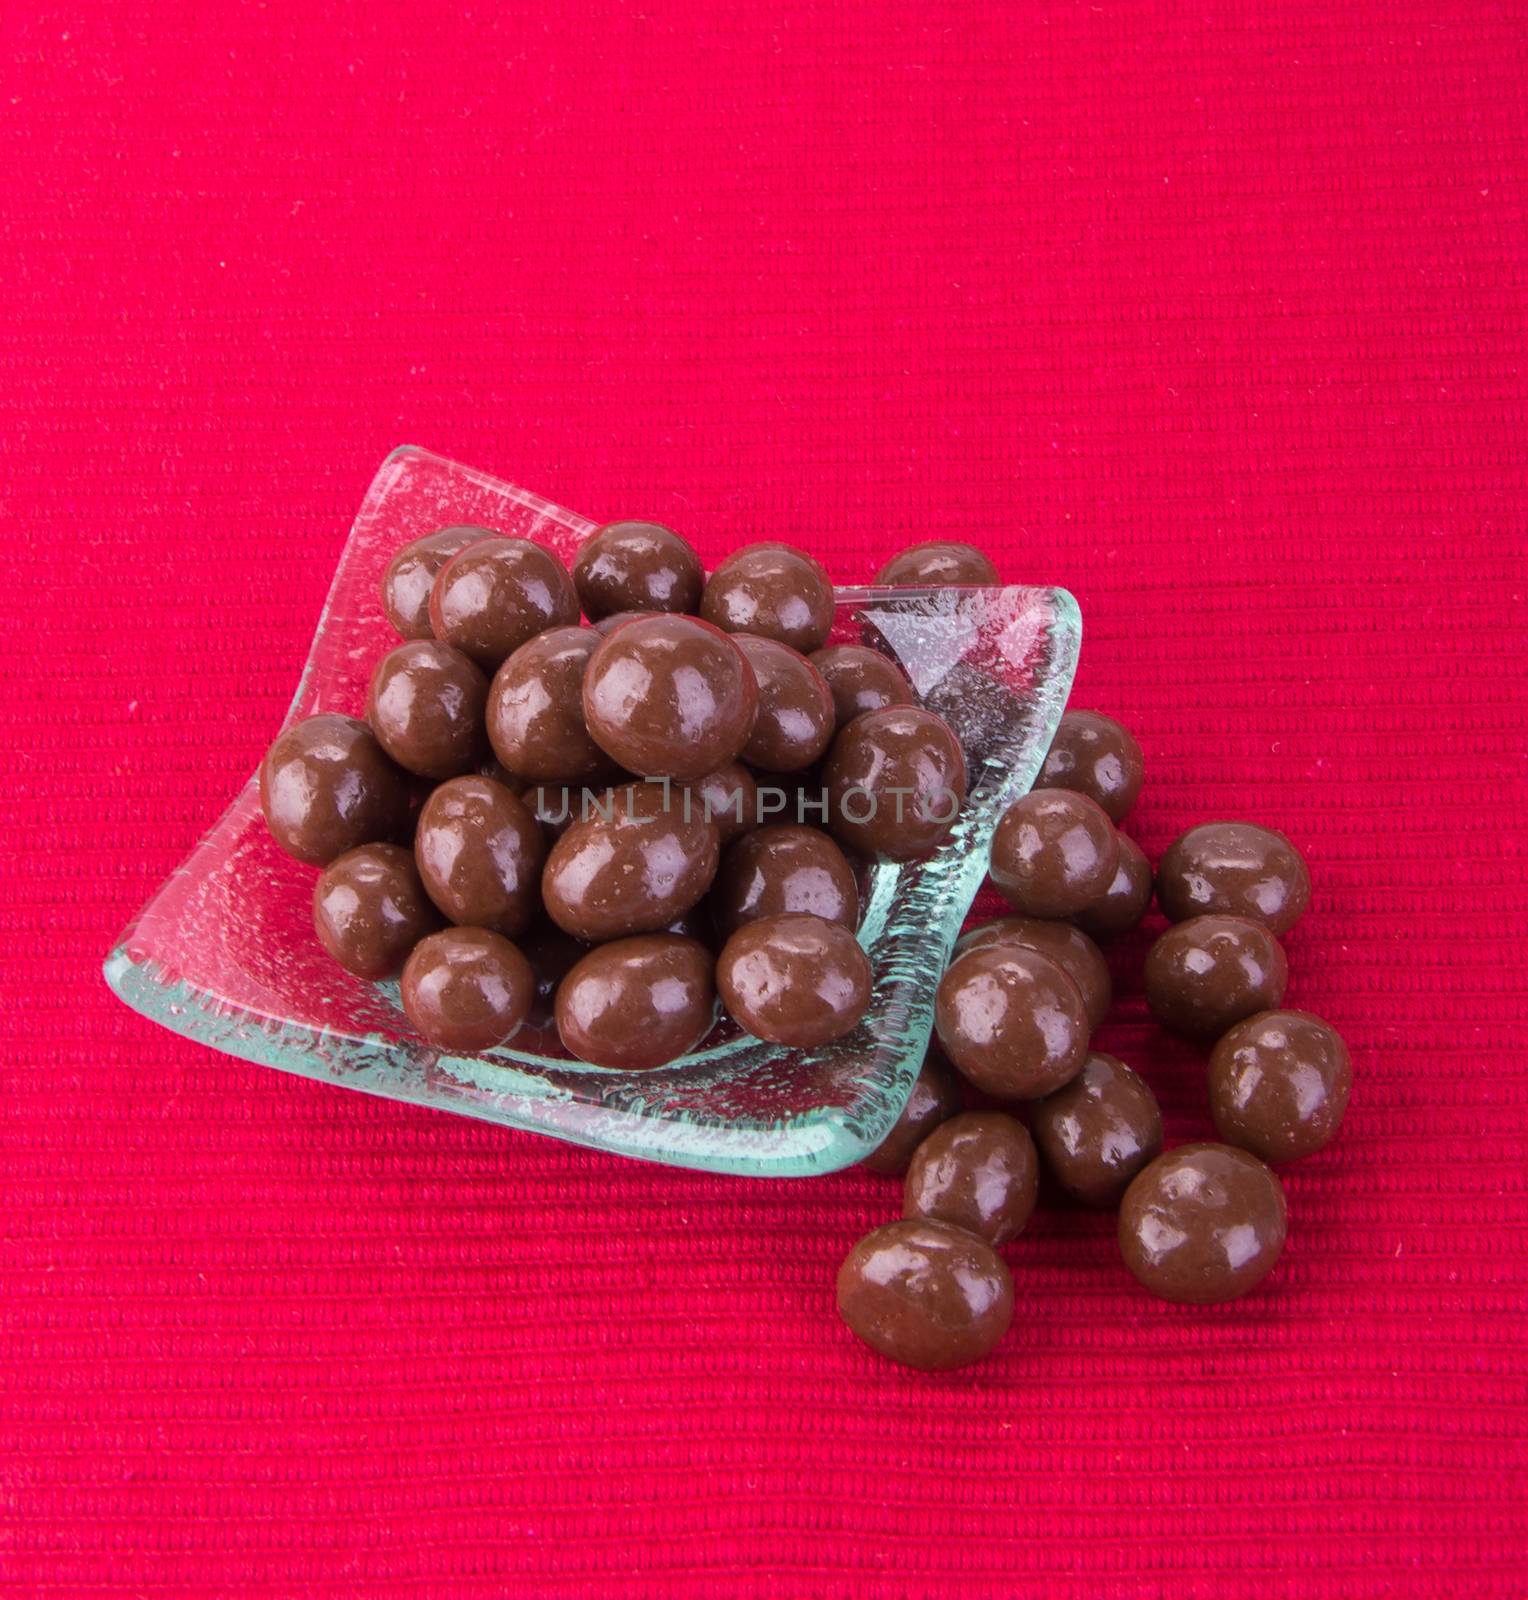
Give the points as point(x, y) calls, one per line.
point(225, 952)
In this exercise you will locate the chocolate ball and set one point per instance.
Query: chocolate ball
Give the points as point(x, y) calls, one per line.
point(491, 597)
point(479, 852)
point(784, 868)
point(795, 721)
point(728, 797)
point(774, 590)
point(794, 980)
point(670, 697)
point(896, 781)
point(1096, 1132)
point(426, 708)
point(638, 1003)
point(861, 679)
point(979, 1171)
point(935, 1099)
point(936, 563)
point(370, 909)
point(1202, 1224)
point(412, 572)
point(926, 1295)
point(326, 786)
point(637, 566)
point(536, 712)
point(467, 989)
point(1094, 755)
point(1237, 869)
point(1071, 949)
point(1208, 973)
point(1054, 853)
point(632, 866)
point(1279, 1084)
point(1122, 905)
point(412, 575)
point(1011, 1021)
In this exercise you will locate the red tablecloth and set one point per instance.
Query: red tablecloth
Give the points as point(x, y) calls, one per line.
point(1217, 317)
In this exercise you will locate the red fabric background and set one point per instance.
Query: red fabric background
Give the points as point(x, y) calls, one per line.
point(1218, 320)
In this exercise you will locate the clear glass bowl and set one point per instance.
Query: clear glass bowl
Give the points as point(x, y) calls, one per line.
point(225, 952)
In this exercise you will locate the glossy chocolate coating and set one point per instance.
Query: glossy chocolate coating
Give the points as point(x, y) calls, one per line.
point(670, 697)
point(901, 748)
point(794, 980)
point(1235, 868)
point(1203, 1223)
point(536, 710)
point(783, 868)
point(638, 1003)
point(774, 590)
point(480, 851)
point(795, 721)
point(1054, 853)
point(861, 679)
point(1279, 1084)
point(426, 708)
point(467, 989)
point(936, 563)
point(632, 871)
point(494, 595)
point(1094, 755)
point(1096, 1132)
point(978, 1172)
point(935, 1099)
point(412, 572)
point(728, 797)
point(1011, 1021)
point(637, 566)
point(926, 1295)
point(1122, 905)
point(1208, 973)
point(370, 909)
point(1071, 949)
point(326, 786)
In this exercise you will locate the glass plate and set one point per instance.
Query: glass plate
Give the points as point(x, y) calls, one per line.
point(225, 951)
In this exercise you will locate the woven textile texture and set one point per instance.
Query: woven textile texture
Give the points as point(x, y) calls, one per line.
point(1215, 316)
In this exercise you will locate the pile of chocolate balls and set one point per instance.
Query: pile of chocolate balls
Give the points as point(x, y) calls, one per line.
point(551, 815)
point(538, 813)
point(1200, 1224)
